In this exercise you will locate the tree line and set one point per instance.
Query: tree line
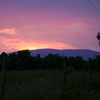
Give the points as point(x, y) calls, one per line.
point(22, 60)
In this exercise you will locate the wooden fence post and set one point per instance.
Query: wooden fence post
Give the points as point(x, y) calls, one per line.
point(90, 73)
point(3, 76)
point(63, 80)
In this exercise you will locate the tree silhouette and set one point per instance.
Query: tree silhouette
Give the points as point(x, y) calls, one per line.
point(22, 60)
point(98, 37)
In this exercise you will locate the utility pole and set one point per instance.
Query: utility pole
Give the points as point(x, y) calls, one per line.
point(3, 76)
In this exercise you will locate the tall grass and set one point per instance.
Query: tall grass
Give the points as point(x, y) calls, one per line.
point(47, 85)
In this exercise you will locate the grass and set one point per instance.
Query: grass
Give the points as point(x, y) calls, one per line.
point(47, 85)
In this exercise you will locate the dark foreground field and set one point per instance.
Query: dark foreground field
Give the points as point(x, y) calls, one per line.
point(49, 85)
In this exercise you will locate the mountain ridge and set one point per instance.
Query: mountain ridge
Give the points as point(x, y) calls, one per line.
point(85, 53)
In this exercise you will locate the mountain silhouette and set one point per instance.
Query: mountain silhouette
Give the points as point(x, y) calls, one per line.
point(66, 52)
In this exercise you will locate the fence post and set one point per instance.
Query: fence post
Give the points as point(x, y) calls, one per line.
point(63, 80)
point(90, 72)
point(90, 87)
point(3, 76)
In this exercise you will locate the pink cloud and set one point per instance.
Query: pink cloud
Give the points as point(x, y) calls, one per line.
point(10, 31)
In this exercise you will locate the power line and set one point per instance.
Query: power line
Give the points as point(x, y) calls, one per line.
point(91, 6)
point(89, 2)
point(97, 3)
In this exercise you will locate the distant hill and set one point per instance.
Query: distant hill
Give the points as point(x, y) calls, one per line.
point(66, 52)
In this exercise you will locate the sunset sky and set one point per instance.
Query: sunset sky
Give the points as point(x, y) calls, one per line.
point(57, 24)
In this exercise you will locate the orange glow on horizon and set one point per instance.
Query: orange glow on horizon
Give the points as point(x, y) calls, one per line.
point(12, 45)
point(43, 46)
point(28, 48)
point(33, 45)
